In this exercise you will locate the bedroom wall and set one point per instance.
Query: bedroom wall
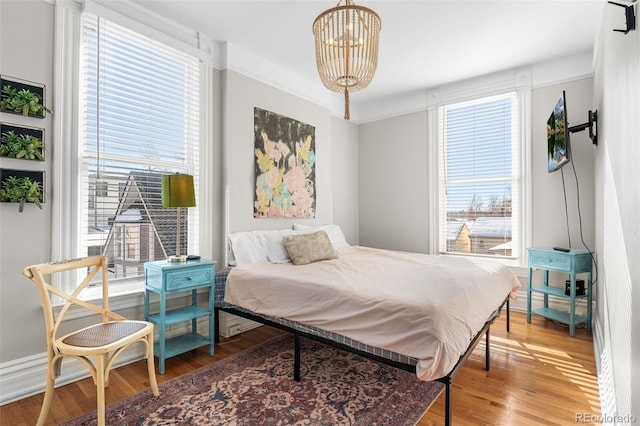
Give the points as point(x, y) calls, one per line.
point(25, 237)
point(549, 220)
point(394, 183)
point(394, 176)
point(345, 184)
point(617, 201)
point(240, 95)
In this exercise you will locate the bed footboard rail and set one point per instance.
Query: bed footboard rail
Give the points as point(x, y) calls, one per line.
point(297, 334)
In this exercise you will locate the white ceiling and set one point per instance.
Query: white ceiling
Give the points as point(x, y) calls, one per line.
point(423, 44)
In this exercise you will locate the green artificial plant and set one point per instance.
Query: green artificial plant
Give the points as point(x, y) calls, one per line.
point(22, 101)
point(21, 190)
point(21, 146)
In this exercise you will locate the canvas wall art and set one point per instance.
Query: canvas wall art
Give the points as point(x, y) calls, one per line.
point(284, 166)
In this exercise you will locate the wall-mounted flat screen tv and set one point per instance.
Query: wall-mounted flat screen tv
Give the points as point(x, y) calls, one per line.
point(558, 144)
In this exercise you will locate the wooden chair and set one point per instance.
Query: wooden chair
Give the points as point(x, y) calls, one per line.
point(104, 340)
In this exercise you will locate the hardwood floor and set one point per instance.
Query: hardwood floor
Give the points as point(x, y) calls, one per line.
point(539, 375)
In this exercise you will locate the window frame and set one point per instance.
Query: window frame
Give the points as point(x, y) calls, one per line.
point(519, 82)
point(108, 129)
point(66, 168)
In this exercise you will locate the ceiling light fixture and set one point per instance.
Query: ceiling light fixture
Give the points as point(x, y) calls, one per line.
point(347, 48)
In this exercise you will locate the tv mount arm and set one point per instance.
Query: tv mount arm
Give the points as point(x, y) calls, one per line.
point(629, 15)
point(592, 125)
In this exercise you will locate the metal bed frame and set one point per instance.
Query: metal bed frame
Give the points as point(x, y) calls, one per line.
point(446, 380)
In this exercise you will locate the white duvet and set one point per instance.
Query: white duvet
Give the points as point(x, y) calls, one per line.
point(425, 307)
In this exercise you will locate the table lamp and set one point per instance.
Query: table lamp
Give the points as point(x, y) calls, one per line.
point(178, 192)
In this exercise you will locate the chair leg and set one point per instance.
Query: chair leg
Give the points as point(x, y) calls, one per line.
point(52, 368)
point(151, 366)
point(100, 384)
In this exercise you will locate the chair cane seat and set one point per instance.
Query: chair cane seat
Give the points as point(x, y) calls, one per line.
point(103, 334)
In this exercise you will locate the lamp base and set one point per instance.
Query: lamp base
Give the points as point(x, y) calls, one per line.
point(180, 258)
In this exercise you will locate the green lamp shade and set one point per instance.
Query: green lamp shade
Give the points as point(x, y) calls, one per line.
point(177, 191)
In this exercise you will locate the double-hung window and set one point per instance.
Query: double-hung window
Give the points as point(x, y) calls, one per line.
point(138, 119)
point(478, 161)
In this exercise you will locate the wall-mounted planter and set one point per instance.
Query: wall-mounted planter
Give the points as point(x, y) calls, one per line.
point(26, 143)
point(22, 97)
point(22, 186)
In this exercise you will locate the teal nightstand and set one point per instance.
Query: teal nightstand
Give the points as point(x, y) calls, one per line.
point(572, 262)
point(166, 278)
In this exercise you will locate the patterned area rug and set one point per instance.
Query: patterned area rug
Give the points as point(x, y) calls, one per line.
point(256, 387)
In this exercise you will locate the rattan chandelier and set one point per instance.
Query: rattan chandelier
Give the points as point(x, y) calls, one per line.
point(347, 48)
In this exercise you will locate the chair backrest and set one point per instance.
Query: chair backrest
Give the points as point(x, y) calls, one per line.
point(90, 267)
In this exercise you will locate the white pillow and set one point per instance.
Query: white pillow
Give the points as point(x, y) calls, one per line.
point(336, 236)
point(258, 246)
point(245, 248)
point(276, 251)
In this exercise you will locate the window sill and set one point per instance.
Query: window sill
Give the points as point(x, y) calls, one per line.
point(508, 261)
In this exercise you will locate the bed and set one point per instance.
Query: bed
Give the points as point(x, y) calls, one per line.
point(420, 313)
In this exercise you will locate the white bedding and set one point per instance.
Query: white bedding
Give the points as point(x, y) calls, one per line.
point(425, 307)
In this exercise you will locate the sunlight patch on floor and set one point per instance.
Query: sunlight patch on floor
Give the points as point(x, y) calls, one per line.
point(542, 349)
point(497, 347)
point(570, 368)
point(510, 342)
point(562, 363)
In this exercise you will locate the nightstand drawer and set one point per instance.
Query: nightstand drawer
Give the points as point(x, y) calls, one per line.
point(548, 261)
point(193, 277)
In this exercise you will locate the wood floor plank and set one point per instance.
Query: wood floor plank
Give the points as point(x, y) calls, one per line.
point(538, 376)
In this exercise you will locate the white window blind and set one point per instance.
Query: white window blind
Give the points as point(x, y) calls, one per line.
point(479, 174)
point(139, 119)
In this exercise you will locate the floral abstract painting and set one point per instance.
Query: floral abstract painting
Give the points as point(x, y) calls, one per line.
point(285, 166)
